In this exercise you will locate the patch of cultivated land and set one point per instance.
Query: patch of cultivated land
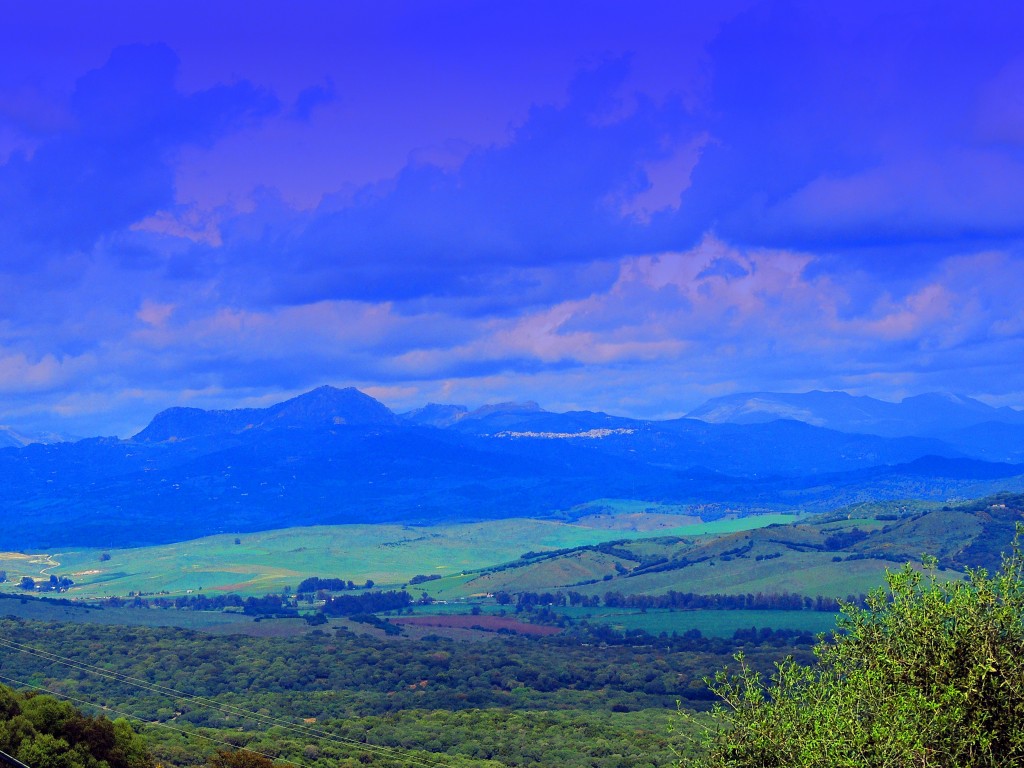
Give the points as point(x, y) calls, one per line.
point(387, 554)
point(485, 622)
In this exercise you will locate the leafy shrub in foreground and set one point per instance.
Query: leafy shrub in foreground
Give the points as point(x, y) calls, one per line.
point(930, 673)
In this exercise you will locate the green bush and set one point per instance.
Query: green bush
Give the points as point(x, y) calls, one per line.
point(930, 673)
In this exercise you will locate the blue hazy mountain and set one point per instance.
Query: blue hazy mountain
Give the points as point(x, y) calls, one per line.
point(929, 414)
point(337, 456)
point(991, 440)
point(14, 438)
point(436, 415)
point(324, 406)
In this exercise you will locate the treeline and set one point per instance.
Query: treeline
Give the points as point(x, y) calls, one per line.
point(693, 640)
point(421, 578)
point(196, 602)
point(280, 606)
point(53, 584)
point(319, 583)
point(268, 605)
point(369, 602)
point(772, 601)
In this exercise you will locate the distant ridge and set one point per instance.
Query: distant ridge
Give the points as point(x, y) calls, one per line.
point(484, 419)
point(13, 438)
point(338, 455)
point(322, 406)
point(932, 414)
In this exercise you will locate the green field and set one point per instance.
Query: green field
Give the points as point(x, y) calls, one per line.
point(210, 622)
point(472, 561)
point(388, 554)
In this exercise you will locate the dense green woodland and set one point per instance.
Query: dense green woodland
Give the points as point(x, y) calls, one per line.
point(45, 732)
point(343, 674)
point(507, 699)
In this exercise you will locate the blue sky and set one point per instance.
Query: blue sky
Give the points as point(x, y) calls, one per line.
point(624, 207)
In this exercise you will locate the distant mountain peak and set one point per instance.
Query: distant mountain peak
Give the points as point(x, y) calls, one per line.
point(330, 405)
point(323, 406)
point(436, 414)
point(756, 408)
point(510, 407)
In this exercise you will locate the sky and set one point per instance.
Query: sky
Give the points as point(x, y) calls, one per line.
point(627, 207)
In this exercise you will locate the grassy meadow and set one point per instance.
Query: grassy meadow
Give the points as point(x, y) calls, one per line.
point(258, 563)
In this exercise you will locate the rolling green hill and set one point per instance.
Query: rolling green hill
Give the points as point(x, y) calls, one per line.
point(833, 555)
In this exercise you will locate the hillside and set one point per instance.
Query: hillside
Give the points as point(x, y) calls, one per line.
point(833, 555)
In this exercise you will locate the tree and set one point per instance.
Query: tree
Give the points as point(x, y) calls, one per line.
point(27, 582)
point(239, 758)
point(48, 751)
point(930, 673)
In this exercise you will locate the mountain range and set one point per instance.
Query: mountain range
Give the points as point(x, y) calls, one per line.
point(337, 456)
point(933, 414)
point(13, 438)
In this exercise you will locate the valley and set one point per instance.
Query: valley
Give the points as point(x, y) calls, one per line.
point(240, 575)
point(511, 385)
point(626, 579)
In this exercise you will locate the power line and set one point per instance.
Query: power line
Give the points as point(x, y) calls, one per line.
point(11, 762)
point(302, 730)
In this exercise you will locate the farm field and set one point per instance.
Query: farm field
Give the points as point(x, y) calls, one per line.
point(485, 621)
point(258, 563)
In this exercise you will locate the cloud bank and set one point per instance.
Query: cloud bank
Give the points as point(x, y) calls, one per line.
point(803, 196)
